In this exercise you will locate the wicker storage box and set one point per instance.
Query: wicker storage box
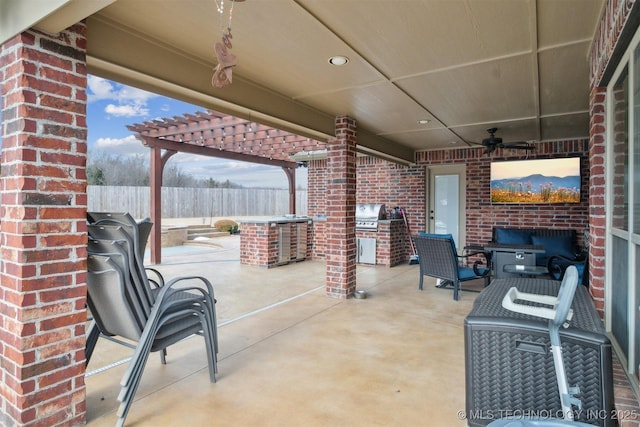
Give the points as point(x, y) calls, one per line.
point(509, 366)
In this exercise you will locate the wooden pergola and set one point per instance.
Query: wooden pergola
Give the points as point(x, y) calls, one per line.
point(216, 135)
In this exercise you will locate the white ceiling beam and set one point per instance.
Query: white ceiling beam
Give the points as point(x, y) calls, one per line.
point(533, 13)
point(156, 65)
point(18, 16)
point(51, 16)
point(71, 12)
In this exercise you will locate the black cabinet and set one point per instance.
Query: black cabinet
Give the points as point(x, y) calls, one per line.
point(512, 256)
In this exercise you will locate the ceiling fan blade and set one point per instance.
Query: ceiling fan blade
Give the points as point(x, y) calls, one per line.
point(493, 142)
point(519, 145)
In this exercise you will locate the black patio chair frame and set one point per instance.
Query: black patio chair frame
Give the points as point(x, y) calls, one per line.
point(438, 258)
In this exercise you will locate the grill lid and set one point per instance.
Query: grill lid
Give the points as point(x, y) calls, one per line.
point(368, 215)
point(370, 211)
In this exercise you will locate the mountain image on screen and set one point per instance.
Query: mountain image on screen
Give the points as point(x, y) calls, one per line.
point(536, 188)
point(538, 182)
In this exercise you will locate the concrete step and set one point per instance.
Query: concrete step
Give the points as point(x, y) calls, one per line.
point(203, 242)
point(197, 232)
point(200, 228)
point(210, 234)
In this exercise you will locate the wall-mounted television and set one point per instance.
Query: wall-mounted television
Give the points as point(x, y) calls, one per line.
point(536, 181)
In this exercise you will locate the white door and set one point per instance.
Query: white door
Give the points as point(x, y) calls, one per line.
point(447, 201)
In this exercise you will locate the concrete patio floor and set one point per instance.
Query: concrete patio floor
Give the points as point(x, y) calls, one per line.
point(291, 356)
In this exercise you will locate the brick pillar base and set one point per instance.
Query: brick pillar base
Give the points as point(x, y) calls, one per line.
point(43, 229)
point(341, 208)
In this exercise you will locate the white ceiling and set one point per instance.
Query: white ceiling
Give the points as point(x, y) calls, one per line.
point(466, 65)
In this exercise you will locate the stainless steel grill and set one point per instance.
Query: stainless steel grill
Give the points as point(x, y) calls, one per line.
point(368, 215)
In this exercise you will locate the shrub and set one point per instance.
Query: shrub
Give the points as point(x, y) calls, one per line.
point(226, 225)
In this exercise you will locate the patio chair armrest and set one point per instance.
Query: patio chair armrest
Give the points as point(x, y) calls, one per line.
point(557, 264)
point(473, 248)
point(484, 262)
point(158, 279)
point(171, 287)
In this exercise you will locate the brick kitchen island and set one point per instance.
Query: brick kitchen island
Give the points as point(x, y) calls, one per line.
point(392, 243)
point(272, 242)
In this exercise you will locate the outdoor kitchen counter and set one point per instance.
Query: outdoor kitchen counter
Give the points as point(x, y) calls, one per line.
point(392, 243)
point(271, 242)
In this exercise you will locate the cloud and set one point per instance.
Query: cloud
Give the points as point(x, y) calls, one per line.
point(126, 101)
point(127, 146)
point(130, 110)
point(102, 89)
point(98, 88)
point(132, 94)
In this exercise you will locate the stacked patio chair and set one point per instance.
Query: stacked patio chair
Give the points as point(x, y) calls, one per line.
point(126, 303)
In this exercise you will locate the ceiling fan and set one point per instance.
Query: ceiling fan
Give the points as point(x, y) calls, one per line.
point(494, 142)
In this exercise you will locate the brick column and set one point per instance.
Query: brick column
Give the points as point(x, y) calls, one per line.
point(341, 210)
point(597, 214)
point(43, 229)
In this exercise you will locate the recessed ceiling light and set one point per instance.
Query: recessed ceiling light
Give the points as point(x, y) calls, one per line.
point(338, 60)
point(423, 121)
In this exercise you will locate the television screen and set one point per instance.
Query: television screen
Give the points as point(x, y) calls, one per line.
point(536, 181)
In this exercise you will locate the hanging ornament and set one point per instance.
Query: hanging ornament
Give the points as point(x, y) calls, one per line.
point(222, 74)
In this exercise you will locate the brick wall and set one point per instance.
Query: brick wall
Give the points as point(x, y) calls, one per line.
point(379, 181)
point(613, 22)
point(615, 29)
point(259, 244)
point(392, 241)
point(597, 214)
point(43, 229)
point(341, 205)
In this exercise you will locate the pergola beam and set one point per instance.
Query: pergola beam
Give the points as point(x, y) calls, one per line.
point(208, 151)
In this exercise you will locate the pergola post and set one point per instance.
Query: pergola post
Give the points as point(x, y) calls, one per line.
point(155, 186)
point(157, 162)
point(291, 177)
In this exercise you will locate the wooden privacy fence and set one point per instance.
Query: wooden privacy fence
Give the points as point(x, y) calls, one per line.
point(195, 202)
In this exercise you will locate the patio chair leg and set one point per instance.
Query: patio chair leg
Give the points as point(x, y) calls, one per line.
point(92, 339)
